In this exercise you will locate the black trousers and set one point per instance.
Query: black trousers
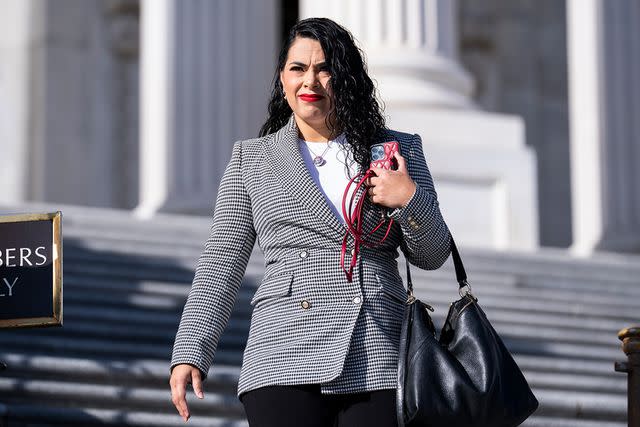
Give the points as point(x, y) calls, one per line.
point(305, 406)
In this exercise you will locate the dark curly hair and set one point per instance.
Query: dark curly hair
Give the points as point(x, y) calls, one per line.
point(356, 108)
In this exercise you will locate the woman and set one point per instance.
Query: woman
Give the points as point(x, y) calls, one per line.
point(322, 349)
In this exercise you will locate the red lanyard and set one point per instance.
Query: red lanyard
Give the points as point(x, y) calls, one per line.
point(354, 223)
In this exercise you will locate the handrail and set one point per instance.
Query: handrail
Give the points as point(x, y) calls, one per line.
point(630, 338)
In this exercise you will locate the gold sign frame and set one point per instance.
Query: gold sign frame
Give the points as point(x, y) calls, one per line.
point(56, 252)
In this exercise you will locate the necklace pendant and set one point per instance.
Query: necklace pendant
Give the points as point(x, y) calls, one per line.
point(319, 161)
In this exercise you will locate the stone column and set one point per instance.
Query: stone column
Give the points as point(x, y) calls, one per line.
point(205, 78)
point(604, 64)
point(477, 159)
point(67, 70)
point(15, 38)
point(411, 47)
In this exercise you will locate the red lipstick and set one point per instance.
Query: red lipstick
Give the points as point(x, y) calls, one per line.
point(310, 97)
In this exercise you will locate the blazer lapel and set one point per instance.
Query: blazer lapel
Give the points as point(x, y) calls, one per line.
point(290, 168)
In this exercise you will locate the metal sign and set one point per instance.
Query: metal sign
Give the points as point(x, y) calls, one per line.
point(31, 270)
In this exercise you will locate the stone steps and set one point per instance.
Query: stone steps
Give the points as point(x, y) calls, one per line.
point(90, 347)
point(115, 397)
point(538, 421)
point(126, 281)
point(118, 384)
point(155, 372)
point(607, 305)
point(48, 416)
point(141, 372)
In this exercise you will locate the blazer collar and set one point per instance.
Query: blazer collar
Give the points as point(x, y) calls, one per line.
point(291, 170)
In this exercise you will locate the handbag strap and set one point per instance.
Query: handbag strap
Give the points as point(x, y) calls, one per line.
point(461, 274)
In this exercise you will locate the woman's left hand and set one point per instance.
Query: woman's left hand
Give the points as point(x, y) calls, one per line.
point(391, 188)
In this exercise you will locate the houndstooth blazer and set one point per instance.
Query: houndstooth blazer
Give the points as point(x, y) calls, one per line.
point(308, 324)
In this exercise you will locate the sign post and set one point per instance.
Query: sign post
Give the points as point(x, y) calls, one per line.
point(30, 271)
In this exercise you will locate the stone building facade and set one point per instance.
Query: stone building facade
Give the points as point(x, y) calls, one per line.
point(525, 107)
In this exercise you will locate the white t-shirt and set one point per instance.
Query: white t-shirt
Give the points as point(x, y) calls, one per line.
point(331, 178)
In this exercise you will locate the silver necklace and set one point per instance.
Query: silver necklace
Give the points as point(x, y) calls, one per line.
point(318, 160)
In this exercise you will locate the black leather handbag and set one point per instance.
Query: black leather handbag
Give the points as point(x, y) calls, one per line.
point(464, 378)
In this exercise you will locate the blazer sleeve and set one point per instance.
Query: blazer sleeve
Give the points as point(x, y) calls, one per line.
point(426, 239)
point(219, 272)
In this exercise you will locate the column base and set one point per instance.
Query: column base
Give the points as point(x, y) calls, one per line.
point(484, 174)
point(195, 205)
point(628, 242)
point(421, 79)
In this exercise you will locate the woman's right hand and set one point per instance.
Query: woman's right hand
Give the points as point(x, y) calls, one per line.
point(181, 375)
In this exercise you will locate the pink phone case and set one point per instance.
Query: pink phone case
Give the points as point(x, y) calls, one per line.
point(382, 155)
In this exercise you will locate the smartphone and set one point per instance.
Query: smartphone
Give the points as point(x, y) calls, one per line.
point(382, 155)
